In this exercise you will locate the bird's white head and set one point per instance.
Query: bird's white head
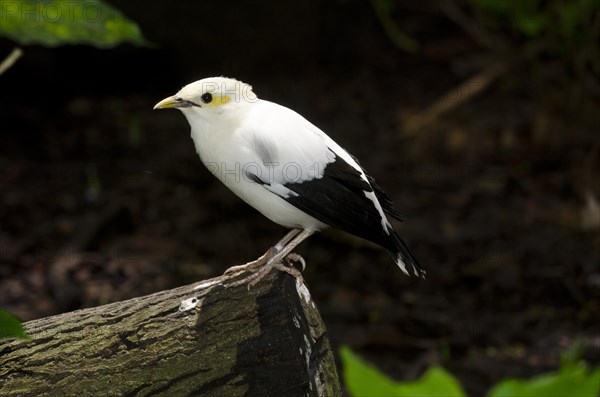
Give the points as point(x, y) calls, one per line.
point(211, 99)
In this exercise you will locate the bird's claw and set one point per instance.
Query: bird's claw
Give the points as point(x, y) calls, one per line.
point(250, 266)
point(293, 257)
point(259, 272)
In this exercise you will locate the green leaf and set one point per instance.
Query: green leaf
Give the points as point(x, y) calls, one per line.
point(10, 326)
point(570, 381)
point(362, 380)
point(435, 382)
point(58, 22)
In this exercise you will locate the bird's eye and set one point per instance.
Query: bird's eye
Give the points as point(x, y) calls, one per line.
point(207, 97)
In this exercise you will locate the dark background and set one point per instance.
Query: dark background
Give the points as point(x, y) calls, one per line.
point(103, 199)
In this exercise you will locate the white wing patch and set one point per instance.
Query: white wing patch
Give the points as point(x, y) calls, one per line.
point(384, 221)
point(280, 190)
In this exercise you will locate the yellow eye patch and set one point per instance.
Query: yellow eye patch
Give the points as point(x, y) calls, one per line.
point(217, 100)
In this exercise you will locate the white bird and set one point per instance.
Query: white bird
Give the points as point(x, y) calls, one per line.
point(287, 168)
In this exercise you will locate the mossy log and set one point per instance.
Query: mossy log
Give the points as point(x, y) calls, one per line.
point(266, 341)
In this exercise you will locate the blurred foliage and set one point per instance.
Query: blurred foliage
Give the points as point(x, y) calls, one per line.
point(384, 9)
point(58, 22)
point(533, 18)
point(572, 380)
point(523, 16)
point(93, 189)
point(547, 48)
point(554, 44)
point(363, 379)
point(10, 326)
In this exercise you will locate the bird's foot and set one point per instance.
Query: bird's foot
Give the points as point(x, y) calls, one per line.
point(258, 273)
point(250, 266)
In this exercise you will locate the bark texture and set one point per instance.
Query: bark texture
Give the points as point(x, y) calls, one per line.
point(266, 341)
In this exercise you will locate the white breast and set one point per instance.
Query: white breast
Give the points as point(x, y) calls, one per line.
point(227, 155)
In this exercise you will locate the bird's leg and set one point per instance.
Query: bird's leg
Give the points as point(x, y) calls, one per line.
point(265, 257)
point(286, 239)
point(275, 261)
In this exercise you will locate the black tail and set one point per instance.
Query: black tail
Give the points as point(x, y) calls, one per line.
point(403, 257)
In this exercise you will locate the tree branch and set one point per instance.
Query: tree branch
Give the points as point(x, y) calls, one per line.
point(13, 57)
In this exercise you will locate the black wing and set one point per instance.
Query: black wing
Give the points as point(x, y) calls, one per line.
point(338, 199)
point(384, 199)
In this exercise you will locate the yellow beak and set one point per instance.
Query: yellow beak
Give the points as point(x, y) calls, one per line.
point(168, 103)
